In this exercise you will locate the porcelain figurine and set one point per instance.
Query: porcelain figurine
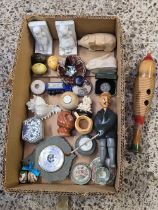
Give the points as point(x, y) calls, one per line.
point(105, 124)
point(143, 94)
point(85, 107)
point(67, 37)
point(42, 36)
point(98, 41)
point(66, 123)
point(102, 64)
point(41, 109)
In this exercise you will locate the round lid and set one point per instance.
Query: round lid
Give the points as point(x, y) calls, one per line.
point(81, 174)
point(67, 99)
point(102, 175)
point(51, 158)
point(87, 146)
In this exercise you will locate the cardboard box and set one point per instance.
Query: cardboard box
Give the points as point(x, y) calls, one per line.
point(21, 79)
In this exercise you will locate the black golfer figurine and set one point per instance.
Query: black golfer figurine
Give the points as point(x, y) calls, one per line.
point(105, 123)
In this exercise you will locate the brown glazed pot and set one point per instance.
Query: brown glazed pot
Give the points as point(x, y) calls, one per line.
point(66, 123)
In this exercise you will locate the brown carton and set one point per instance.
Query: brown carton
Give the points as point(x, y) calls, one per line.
point(21, 78)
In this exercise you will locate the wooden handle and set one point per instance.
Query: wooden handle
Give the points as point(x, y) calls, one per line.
point(136, 141)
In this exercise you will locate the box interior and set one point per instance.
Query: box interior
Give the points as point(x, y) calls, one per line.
point(16, 149)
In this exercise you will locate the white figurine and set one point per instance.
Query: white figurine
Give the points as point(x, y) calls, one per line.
point(42, 36)
point(86, 105)
point(67, 37)
point(42, 110)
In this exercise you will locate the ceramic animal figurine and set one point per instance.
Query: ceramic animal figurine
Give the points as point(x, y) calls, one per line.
point(67, 37)
point(42, 36)
point(143, 94)
point(98, 41)
point(105, 124)
point(66, 123)
point(102, 64)
point(39, 107)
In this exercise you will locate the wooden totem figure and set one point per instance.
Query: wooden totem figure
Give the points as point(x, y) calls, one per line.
point(143, 94)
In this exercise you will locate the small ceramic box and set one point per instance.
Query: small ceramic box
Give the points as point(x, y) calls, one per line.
point(32, 130)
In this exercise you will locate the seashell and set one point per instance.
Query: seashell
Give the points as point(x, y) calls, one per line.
point(32, 178)
point(41, 109)
point(23, 177)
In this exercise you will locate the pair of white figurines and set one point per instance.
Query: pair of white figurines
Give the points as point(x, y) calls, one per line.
point(44, 42)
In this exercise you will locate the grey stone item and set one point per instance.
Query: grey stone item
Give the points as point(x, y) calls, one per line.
point(63, 172)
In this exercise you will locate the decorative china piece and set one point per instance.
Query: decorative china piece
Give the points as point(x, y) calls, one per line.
point(54, 88)
point(83, 124)
point(52, 62)
point(49, 160)
point(98, 41)
point(42, 110)
point(85, 107)
point(72, 68)
point(83, 90)
point(94, 165)
point(32, 130)
point(143, 94)
point(38, 58)
point(39, 68)
point(69, 100)
point(80, 173)
point(66, 123)
point(102, 175)
point(37, 87)
point(42, 36)
point(88, 148)
point(102, 64)
point(105, 124)
point(67, 37)
point(106, 82)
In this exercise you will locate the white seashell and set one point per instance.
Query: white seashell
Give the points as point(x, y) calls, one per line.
point(32, 178)
point(39, 107)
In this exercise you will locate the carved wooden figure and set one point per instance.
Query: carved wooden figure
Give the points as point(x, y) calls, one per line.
point(143, 94)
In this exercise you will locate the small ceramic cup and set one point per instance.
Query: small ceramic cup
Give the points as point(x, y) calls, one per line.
point(83, 124)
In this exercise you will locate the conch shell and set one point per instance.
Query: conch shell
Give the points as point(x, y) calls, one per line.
point(42, 110)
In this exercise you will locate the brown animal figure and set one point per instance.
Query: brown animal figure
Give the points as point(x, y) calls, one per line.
point(66, 123)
